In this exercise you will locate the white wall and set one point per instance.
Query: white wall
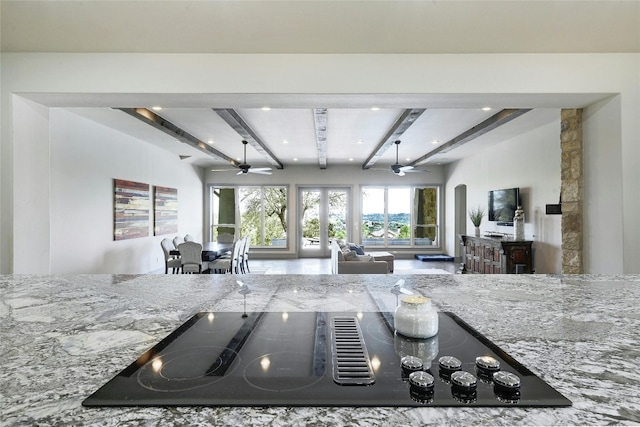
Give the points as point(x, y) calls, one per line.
point(85, 158)
point(455, 75)
point(531, 162)
point(603, 189)
point(32, 225)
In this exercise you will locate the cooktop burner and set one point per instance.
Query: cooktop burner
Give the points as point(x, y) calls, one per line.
point(323, 359)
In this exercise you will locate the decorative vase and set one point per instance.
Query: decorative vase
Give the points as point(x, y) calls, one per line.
point(518, 225)
point(477, 231)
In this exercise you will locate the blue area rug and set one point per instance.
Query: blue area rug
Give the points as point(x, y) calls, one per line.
point(435, 257)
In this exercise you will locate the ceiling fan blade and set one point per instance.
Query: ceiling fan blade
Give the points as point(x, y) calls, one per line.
point(241, 172)
point(222, 170)
point(400, 173)
point(261, 169)
point(261, 172)
point(406, 168)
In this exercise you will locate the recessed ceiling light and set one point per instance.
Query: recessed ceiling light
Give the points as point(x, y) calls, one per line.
point(210, 141)
point(360, 141)
point(486, 108)
point(375, 108)
point(156, 108)
point(295, 159)
point(435, 141)
point(351, 159)
point(408, 159)
point(266, 108)
point(284, 141)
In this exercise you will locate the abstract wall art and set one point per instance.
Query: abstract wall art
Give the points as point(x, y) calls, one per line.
point(165, 219)
point(131, 209)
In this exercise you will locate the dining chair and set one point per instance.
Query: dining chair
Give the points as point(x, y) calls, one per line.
point(191, 258)
point(170, 261)
point(244, 255)
point(220, 265)
point(189, 238)
point(227, 262)
point(177, 240)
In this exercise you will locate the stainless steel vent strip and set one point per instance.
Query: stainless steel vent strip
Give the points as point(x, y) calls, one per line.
point(351, 363)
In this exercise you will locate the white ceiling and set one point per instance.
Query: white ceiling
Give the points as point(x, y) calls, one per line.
point(320, 26)
point(353, 130)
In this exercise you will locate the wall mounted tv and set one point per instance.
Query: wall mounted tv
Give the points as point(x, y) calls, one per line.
point(503, 205)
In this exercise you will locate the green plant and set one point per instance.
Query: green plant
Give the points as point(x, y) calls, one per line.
point(476, 214)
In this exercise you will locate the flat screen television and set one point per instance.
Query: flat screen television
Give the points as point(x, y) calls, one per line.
point(503, 205)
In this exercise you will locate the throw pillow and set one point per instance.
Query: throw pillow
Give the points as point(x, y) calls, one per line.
point(350, 256)
point(356, 248)
point(364, 258)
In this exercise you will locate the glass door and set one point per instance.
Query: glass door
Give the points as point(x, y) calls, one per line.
point(322, 217)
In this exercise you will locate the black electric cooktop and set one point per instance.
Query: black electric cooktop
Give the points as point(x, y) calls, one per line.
point(318, 359)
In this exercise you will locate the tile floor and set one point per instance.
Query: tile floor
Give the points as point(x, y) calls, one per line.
point(323, 265)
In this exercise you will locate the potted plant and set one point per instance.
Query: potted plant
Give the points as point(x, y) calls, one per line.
point(476, 214)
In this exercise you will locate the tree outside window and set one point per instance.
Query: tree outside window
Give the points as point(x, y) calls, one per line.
point(262, 213)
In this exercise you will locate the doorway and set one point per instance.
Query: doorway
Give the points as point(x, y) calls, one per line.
point(322, 217)
point(460, 220)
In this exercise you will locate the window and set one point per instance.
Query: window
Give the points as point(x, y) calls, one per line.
point(259, 212)
point(400, 216)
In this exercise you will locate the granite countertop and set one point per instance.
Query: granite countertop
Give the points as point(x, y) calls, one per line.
point(65, 336)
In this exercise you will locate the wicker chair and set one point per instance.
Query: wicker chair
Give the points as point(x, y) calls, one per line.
point(170, 261)
point(191, 258)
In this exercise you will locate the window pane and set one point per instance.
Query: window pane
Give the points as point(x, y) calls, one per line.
point(310, 217)
point(275, 216)
point(337, 228)
point(263, 215)
point(250, 199)
point(373, 224)
point(223, 214)
point(399, 230)
point(426, 214)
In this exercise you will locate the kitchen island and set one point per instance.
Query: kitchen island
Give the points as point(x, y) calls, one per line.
point(65, 336)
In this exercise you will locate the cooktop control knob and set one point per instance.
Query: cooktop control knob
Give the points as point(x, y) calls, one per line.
point(411, 363)
point(506, 387)
point(506, 380)
point(449, 363)
point(464, 380)
point(421, 381)
point(487, 363)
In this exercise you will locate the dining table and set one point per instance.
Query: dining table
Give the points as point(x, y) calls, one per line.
point(211, 250)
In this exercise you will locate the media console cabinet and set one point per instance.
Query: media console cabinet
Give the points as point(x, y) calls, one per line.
point(486, 255)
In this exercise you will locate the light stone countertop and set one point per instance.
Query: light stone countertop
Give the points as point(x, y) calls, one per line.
point(62, 337)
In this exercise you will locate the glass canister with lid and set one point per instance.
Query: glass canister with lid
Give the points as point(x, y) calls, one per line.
point(416, 317)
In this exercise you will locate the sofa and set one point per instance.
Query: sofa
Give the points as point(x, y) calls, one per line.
point(344, 260)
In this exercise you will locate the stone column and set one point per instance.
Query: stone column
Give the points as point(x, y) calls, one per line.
point(571, 190)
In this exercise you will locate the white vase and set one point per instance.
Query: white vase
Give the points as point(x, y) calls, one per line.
point(477, 231)
point(518, 225)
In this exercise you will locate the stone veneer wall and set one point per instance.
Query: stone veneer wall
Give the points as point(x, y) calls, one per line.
point(571, 190)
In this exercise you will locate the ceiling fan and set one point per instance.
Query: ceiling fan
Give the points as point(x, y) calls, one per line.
point(399, 169)
point(244, 167)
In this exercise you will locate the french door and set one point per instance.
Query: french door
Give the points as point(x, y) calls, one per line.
point(322, 217)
